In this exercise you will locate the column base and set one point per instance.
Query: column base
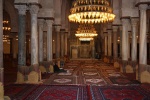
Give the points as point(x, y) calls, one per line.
point(144, 73)
point(116, 63)
point(29, 74)
point(128, 66)
point(108, 59)
point(45, 66)
point(1, 91)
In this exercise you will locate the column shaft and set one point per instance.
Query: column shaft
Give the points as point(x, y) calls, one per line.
point(21, 41)
point(62, 44)
point(1, 43)
point(106, 45)
point(57, 47)
point(115, 48)
point(45, 46)
point(14, 49)
point(66, 45)
point(49, 40)
point(125, 39)
point(120, 30)
point(109, 43)
point(41, 40)
point(34, 35)
point(128, 45)
point(143, 37)
point(134, 40)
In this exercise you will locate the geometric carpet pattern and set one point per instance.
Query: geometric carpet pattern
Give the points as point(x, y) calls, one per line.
point(83, 80)
point(59, 92)
point(119, 93)
point(19, 91)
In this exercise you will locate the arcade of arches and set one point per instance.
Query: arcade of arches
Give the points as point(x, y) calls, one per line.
point(40, 34)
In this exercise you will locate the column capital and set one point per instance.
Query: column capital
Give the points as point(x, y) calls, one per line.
point(115, 28)
point(57, 28)
point(34, 9)
point(143, 7)
point(125, 21)
point(120, 27)
point(109, 31)
point(21, 9)
point(41, 22)
point(49, 22)
point(134, 21)
point(105, 34)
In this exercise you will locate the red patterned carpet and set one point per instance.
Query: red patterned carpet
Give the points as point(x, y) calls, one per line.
point(58, 92)
point(19, 91)
point(119, 93)
point(84, 80)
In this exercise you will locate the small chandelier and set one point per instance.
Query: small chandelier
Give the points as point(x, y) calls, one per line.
point(86, 32)
point(91, 11)
point(6, 26)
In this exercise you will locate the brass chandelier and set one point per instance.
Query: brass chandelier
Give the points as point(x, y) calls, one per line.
point(91, 11)
point(86, 32)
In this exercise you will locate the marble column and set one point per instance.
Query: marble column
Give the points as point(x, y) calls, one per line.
point(134, 22)
point(109, 43)
point(14, 49)
point(34, 34)
point(120, 33)
point(45, 46)
point(124, 39)
point(49, 40)
point(1, 49)
point(66, 45)
point(115, 38)
point(149, 49)
point(22, 35)
point(62, 44)
point(41, 23)
point(105, 35)
point(143, 37)
point(57, 41)
point(128, 39)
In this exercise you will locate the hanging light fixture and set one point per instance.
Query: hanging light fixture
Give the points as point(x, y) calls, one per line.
point(6, 26)
point(86, 32)
point(91, 11)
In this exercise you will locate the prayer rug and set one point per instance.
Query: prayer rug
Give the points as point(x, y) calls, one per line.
point(90, 74)
point(89, 69)
point(114, 74)
point(19, 91)
point(91, 80)
point(68, 73)
point(59, 92)
point(59, 79)
point(122, 81)
point(108, 70)
point(118, 93)
point(89, 66)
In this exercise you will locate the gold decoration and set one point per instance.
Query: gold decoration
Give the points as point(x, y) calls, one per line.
point(91, 11)
point(86, 32)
